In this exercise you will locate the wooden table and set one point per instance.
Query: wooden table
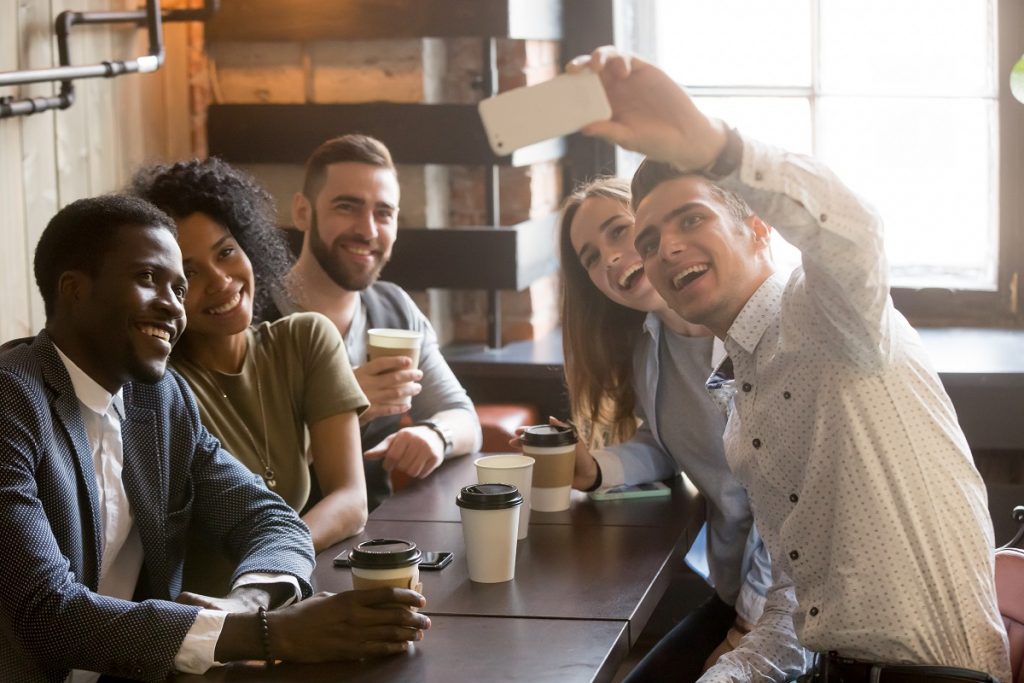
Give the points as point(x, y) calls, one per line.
point(586, 583)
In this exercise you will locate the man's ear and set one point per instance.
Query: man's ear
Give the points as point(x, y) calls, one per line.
point(73, 286)
point(760, 230)
point(302, 212)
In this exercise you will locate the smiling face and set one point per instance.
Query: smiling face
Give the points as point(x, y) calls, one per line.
point(353, 223)
point(220, 278)
point(705, 262)
point(127, 316)
point(602, 234)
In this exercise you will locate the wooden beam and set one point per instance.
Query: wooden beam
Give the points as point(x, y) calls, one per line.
point(415, 133)
point(510, 257)
point(304, 20)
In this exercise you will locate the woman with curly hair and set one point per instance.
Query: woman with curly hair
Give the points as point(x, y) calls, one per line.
point(636, 373)
point(259, 387)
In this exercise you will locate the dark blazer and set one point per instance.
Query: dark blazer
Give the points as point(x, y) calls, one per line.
point(175, 474)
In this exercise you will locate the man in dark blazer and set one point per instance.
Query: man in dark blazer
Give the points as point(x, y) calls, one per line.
point(104, 466)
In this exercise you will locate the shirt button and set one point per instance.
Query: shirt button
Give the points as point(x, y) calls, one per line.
point(794, 555)
point(758, 176)
point(823, 218)
point(813, 611)
point(757, 443)
point(793, 498)
point(786, 395)
point(746, 386)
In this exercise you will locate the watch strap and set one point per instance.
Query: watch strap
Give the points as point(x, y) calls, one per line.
point(441, 431)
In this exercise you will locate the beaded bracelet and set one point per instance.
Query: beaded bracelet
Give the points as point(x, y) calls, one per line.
point(265, 636)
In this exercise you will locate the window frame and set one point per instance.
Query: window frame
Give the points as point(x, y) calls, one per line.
point(927, 306)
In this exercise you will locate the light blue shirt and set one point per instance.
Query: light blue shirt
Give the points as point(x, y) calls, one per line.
point(728, 553)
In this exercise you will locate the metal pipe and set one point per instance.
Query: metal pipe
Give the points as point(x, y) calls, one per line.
point(492, 189)
point(152, 17)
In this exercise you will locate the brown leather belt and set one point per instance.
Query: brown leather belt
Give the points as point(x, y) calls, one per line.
point(835, 669)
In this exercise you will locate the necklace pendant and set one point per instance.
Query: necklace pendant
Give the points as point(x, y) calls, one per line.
point(268, 476)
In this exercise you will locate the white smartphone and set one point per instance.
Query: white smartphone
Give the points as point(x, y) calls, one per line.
point(525, 116)
point(653, 490)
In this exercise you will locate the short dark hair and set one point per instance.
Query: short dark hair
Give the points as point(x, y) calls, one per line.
point(353, 147)
point(234, 199)
point(81, 235)
point(650, 174)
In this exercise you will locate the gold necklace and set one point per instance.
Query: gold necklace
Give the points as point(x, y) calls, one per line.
point(268, 472)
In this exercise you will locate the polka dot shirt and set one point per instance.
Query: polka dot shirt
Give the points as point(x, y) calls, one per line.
point(861, 481)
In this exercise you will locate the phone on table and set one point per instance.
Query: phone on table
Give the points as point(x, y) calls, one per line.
point(654, 490)
point(429, 561)
point(556, 107)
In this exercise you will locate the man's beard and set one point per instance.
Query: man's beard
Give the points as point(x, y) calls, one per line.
point(335, 268)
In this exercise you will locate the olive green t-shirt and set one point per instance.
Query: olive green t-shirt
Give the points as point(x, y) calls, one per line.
point(295, 373)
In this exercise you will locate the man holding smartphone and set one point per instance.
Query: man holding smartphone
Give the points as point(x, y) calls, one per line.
point(862, 482)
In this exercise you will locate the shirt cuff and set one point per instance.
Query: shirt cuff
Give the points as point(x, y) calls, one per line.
point(197, 651)
point(611, 468)
point(265, 577)
point(750, 603)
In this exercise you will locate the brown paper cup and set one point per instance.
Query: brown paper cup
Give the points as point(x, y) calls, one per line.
point(552, 477)
point(366, 579)
point(384, 342)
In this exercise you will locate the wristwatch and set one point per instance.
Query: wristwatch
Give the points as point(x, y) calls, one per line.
point(441, 431)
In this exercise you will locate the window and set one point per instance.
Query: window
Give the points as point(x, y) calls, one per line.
point(901, 98)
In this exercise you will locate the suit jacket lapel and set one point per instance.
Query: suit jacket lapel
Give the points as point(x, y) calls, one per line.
point(145, 481)
point(68, 411)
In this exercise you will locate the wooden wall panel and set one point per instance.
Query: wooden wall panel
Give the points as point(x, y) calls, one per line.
point(48, 160)
point(14, 297)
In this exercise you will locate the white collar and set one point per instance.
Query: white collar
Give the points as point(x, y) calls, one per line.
point(89, 393)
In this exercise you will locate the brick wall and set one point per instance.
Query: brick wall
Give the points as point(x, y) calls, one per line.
point(425, 70)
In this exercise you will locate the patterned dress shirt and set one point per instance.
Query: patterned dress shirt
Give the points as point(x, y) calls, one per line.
point(861, 481)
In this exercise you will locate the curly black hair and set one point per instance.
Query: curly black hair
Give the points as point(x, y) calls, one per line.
point(234, 199)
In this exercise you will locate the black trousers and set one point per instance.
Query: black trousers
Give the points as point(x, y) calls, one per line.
point(681, 654)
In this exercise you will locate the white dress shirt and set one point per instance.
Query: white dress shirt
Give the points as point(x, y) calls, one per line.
point(861, 481)
point(122, 552)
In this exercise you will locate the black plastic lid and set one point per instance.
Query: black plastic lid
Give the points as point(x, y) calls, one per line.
point(489, 497)
point(384, 553)
point(548, 436)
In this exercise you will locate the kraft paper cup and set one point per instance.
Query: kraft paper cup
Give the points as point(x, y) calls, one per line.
point(514, 469)
point(382, 341)
point(490, 524)
point(554, 450)
point(386, 562)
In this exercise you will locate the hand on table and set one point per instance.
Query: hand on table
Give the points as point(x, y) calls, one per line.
point(349, 625)
point(389, 383)
point(416, 450)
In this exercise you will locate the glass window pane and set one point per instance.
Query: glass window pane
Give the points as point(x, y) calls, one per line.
point(734, 42)
point(908, 47)
point(781, 121)
point(929, 168)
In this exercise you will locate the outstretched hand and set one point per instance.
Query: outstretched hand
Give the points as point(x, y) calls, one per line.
point(651, 114)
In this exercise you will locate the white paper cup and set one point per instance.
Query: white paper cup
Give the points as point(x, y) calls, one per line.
point(509, 468)
point(554, 450)
point(383, 341)
point(490, 524)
